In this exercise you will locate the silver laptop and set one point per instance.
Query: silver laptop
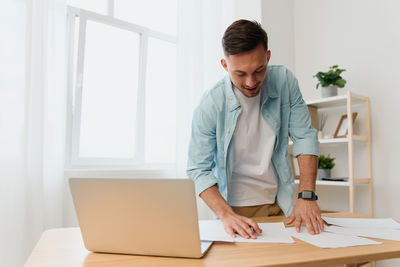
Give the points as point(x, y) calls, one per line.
point(138, 216)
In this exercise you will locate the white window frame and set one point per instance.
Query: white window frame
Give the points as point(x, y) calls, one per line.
point(74, 106)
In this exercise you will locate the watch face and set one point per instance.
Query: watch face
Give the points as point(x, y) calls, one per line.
point(307, 194)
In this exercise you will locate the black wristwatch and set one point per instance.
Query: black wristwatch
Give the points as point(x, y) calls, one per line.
point(307, 195)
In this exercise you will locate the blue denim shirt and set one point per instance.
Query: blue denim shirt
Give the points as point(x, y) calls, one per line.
point(211, 153)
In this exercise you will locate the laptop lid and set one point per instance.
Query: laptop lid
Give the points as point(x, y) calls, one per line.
point(138, 216)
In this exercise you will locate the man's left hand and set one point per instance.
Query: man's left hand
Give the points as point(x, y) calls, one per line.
point(307, 212)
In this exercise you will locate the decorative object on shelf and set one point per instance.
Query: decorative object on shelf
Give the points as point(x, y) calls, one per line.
point(325, 165)
point(321, 124)
point(330, 81)
point(342, 128)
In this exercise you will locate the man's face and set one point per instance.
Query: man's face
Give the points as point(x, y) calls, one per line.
point(248, 69)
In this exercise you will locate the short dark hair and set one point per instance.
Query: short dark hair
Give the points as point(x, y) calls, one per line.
point(242, 36)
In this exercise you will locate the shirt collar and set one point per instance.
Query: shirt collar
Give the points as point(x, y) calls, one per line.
point(233, 103)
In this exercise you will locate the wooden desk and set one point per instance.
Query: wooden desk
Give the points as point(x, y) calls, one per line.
point(64, 247)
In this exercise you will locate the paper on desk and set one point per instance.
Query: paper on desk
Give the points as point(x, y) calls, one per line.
point(387, 223)
point(271, 233)
point(213, 230)
point(330, 240)
point(389, 234)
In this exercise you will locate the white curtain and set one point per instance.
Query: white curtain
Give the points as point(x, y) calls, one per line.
point(201, 24)
point(32, 123)
point(12, 70)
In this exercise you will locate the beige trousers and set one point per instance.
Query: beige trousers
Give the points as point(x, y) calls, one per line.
point(259, 210)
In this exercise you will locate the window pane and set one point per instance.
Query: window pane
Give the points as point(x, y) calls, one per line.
point(159, 15)
point(98, 6)
point(109, 94)
point(161, 102)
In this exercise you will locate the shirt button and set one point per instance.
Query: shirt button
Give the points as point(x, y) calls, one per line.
point(223, 153)
point(228, 131)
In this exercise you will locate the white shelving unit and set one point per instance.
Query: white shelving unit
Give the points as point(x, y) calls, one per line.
point(347, 101)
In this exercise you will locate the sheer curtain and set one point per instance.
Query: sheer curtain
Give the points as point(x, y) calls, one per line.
point(12, 70)
point(32, 123)
point(45, 114)
point(201, 24)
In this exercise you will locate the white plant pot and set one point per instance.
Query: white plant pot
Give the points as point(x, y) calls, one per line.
point(330, 90)
point(324, 173)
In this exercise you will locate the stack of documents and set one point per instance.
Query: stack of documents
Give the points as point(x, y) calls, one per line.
point(376, 228)
point(346, 232)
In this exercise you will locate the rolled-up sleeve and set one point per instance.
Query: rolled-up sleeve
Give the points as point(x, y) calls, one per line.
point(201, 150)
point(303, 135)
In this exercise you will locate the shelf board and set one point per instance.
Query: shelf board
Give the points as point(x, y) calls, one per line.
point(333, 101)
point(333, 140)
point(339, 183)
point(344, 140)
point(328, 101)
point(330, 183)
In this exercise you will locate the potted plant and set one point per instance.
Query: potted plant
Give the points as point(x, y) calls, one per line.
point(325, 165)
point(330, 81)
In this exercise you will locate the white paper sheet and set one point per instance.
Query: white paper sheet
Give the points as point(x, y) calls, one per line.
point(271, 233)
point(213, 230)
point(389, 234)
point(387, 223)
point(330, 240)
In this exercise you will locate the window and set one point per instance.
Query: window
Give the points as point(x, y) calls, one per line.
point(122, 82)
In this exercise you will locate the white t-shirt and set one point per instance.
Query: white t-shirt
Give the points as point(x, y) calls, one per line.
point(253, 180)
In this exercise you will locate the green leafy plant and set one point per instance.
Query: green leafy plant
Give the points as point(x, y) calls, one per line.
point(326, 162)
point(330, 77)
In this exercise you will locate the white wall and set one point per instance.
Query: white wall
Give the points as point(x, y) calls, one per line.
point(277, 20)
point(364, 38)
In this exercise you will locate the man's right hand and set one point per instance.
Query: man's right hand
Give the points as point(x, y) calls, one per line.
point(237, 224)
point(233, 223)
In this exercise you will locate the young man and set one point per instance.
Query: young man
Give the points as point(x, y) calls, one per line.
point(238, 154)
